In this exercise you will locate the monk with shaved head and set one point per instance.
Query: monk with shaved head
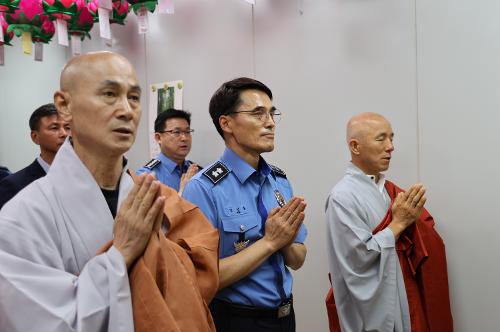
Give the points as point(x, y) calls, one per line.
point(387, 262)
point(59, 269)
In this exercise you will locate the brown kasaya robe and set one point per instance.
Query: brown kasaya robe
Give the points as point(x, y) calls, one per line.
point(177, 276)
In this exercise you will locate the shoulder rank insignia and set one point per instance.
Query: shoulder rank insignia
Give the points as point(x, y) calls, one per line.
point(217, 172)
point(152, 163)
point(278, 171)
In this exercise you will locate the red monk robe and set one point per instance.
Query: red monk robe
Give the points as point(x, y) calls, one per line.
point(422, 258)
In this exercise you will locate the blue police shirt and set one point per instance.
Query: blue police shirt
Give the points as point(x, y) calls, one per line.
point(167, 171)
point(231, 206)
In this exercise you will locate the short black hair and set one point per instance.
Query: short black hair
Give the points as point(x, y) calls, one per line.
point(170, 114)
point(227, 98)
point(41, 112)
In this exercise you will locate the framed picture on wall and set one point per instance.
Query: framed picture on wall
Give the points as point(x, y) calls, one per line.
point(163, 96)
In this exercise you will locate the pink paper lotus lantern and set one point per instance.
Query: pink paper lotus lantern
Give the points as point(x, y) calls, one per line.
point(80, 26)
point(106, 12)
point(150, 5)
point(8, 6)
point(47, 31)
point(62, 11)
point(25, 21)
point(120, 11)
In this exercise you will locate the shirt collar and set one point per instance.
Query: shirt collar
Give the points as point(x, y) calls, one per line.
point(169, 163)
point(43, 163)
point(240, 167)
point(354, 170)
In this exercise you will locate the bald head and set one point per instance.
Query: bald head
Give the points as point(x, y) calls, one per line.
point(362, 124)
point(369, 136)
point(100, 96)
point(84, 67)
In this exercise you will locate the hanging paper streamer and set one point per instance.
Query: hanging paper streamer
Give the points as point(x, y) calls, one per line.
point(104, 10)
point(166, 6)
point(38, 51)
point(76, 45)
point(24, 21)
point(62, 32)
point(62, 11)
point(142, 17)
point(47, 31)
point(105, 30)
point(26, 39)
point(117, 14)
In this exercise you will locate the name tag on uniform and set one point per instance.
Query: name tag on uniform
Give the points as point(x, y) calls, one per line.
point(279, 198)
point(240, 245)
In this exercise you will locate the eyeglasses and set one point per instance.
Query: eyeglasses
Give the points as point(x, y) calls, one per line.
point(178, 133)
point(262, 114)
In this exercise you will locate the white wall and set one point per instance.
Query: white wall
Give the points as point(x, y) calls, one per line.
point(431, 67)
point(459, 106)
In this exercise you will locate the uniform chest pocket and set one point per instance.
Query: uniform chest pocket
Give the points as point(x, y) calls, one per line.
point(237, 229)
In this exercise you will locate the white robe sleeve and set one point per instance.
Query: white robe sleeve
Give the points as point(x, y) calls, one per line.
point(367, 264)
point(37, 294)
point(34, 297)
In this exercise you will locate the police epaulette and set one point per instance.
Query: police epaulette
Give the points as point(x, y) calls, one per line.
point(217, 172)
point(278, 171)
point(152, 163)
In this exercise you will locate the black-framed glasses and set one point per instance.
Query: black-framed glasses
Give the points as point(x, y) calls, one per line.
point(178, 133)
point(262, 114)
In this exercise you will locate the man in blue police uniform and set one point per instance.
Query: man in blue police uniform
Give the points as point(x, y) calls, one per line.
point(174, 135)
point(252, 205)
point(48, 130)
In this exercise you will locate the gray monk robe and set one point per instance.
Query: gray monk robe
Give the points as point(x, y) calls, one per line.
point(367, 280)
point(50, 276)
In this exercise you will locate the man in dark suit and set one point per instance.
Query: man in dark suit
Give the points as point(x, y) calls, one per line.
point(4, 171)
point(48, 130)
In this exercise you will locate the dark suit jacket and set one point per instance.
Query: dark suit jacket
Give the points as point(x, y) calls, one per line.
point(12, 184)
point(4, 172)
